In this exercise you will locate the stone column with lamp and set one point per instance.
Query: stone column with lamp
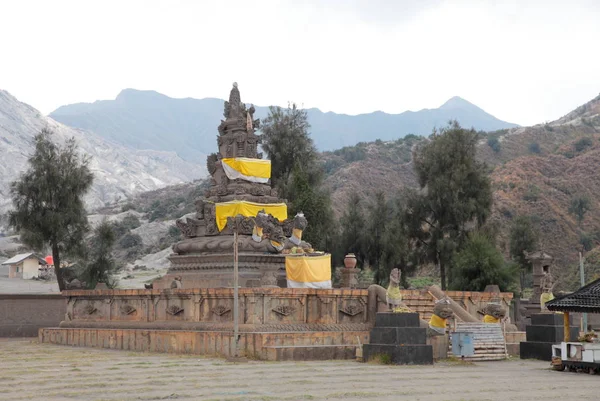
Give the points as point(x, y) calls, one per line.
point(349, 272)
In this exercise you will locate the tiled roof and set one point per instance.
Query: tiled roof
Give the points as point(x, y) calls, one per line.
point(21, 257)
point(585, 299)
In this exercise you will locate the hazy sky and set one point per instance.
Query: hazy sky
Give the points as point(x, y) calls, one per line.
point(523, 61)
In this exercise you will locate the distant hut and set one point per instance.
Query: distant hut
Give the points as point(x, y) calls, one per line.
point(24, 265)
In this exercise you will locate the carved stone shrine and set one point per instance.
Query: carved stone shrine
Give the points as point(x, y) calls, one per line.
point(240, 198)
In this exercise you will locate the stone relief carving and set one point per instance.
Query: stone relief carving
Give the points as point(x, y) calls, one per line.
point(352, 310)
point(127, 309)
point(220, 310)
point(174, 310)
point(90, 309)
point(284, 310)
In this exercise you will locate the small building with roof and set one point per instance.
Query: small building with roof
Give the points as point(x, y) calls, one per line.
point(24, 265)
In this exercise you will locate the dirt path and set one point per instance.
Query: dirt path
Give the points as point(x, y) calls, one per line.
point(31, 371)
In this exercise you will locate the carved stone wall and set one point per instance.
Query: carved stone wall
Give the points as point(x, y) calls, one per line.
point(213, 308)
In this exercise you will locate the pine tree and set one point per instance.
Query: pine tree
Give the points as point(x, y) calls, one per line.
point(378, 217)
point(48, 199)
point(523, 237)
point(297, 173)
point(455, 194)
point(353, 227)
point(101, 266)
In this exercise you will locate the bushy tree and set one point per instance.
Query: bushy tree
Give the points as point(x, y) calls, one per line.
point(396, 250)
point(523, 238)
point(297, 173)
point(100, 266)
point(479, 263)
point(287, 142)
point(580, 205)
point(353, 229)
point(315, 203)
point(376, 225)
point(455, 195)
point(48, 207)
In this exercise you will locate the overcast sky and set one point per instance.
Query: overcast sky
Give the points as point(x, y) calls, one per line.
point(523, 61)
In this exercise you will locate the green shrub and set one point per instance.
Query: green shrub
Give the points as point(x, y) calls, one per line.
point(130, 241)
point(532, 194)
point(127, 206)
point(494, 143)
point(582, 144)
point(534, 147)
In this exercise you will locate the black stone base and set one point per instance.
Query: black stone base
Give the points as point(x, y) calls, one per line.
point(549, 334)
point(400, 354)
point(398, 335)
point(389, 319)
point(536, 350)
point(549, 319)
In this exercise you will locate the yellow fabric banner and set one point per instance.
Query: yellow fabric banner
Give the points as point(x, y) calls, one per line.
point(437, 322)
point(308, 269)
point(247, 209)
point(490, 319)
point(250, 167)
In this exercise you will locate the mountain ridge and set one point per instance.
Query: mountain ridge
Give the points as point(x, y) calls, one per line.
point(119, 172)
point(149, 119)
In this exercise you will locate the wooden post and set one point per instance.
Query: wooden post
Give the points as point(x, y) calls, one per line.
point(236, 327)
point(584, 318)
point(567, 327)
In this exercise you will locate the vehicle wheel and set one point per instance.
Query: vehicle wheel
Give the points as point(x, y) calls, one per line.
point(585, 370)
point(572, 369)
point(560, 367)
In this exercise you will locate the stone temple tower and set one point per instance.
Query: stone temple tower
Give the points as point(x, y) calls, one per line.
point(240, 198)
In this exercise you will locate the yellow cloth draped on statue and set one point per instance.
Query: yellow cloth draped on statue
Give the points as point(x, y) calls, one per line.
point(490, 319)
point(254, 170)
point(247, 209)
point(437, 322)
point(545, 297)
point(308, 271)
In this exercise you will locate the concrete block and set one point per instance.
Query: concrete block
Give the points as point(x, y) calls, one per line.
point(536, 350)
point(400, 354)
point(549, 319)
point(398, 335)
point(549, 334)
point(389, 319)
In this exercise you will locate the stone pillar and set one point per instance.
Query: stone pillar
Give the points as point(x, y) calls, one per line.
point(540, 261)
point(349, 279)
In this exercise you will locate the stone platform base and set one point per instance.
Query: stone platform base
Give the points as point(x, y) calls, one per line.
point(545, 330)
point(399, 338)
point(271, 346)
point(274, 323)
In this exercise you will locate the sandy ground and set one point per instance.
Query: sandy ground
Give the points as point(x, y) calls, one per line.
point(20, 286)
point(31, 371)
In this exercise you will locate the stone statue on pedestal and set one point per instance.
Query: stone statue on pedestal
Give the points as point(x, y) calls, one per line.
point(547, 285)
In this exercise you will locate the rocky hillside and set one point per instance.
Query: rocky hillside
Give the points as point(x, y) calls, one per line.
point(368, 168)
point(150, 120)
point(119, 171)
point(535, 171)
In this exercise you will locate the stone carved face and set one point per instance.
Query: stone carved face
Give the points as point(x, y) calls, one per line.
point(442, 309)
point(300, 221)
point(261, 219)
point(495, 310)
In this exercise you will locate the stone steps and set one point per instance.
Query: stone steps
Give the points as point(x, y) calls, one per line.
point(488, 341)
